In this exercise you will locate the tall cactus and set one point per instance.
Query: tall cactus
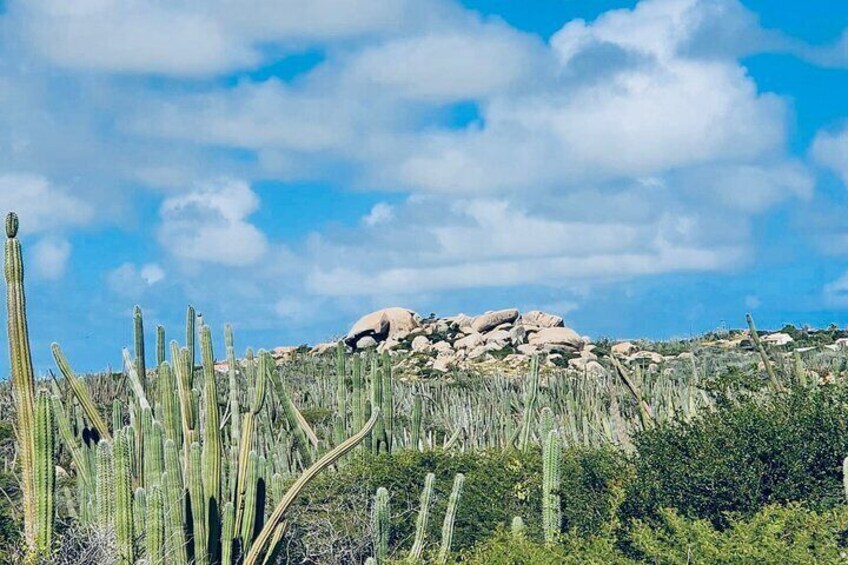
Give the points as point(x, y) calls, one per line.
point(138, 334)
point(123, 496)
point(160, 345)
point(380, 525)
point(194, 482)
point(423, 516)
point(105, 485)
point(235, 413)
point(175, 538)
point(23, 378)
point(417, 409)
point(45, 474)
point(450, 518)
point(191, 317)
point(154, 531)
point(388, 407)
point(530, 396)
point(551, 512)
point(212, 447)
point(341, 395)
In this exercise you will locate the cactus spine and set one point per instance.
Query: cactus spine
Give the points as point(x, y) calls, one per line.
point(380, 524)
point(551, 512)
point(450, 518)
point(45, 474)
point(423, 515)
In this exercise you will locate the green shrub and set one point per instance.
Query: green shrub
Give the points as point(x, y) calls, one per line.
point(740, 458)
point(775, 535)
point(498, 486)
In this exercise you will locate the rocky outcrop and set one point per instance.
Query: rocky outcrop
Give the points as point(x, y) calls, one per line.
point(381, 325)
point(490, 320)
point(542, 319)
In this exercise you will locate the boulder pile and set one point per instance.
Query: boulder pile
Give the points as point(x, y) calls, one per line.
point(442, 344)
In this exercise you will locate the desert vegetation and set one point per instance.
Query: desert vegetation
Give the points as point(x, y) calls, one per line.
point(699, 453)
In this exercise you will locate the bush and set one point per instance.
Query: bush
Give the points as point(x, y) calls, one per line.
point(774, 535)
point(743, 457)
point(498, 486)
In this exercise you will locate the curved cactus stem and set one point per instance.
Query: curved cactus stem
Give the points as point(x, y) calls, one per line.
point(423, 516)
point(81, 392)
point(328, 459)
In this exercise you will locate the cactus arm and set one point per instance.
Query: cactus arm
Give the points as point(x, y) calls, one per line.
point(78, 387)
point(328, 459)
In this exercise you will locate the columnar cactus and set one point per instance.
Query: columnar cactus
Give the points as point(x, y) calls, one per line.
point(227, 532)
point(139, 511)
point(358, 399)
point(194, 482)
point(168, 408)
point(23, 379)
point(123, 496)
point(380, 525)
point(173, 494)
point(235, 413)
point(530, 396)
point(45, 474)
point(341, 395)
point(248, 521)
point(388, 407)
point(67, 434)
point(160, 345)
point(105, 485)
point(138, 334)
point(213, 449)
point(450, 518)
point(154, 530)
point(191, 317)
point(423, 516)
point(81, 392)
point(417, 409)
point(551, 512)
point(376, 405)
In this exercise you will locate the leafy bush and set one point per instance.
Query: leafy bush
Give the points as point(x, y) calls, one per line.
point(743, 457)
point(498, 486)
point(775, 535)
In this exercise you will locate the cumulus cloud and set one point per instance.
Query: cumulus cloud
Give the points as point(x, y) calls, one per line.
point(41, 205)
point(50, 257)
point(210, 225)
point(830, 149)
point(131, 280)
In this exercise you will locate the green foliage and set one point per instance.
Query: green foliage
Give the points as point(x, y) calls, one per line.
point(742, 457)
point(775, 535)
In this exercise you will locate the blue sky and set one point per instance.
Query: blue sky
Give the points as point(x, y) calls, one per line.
point(652, 168)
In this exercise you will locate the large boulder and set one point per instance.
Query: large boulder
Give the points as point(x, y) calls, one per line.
point(542, 319)
point(556, 336)
point(778, 338)
point(470, 341)
point(383, 324)
point(624, 348)
point(490, 320)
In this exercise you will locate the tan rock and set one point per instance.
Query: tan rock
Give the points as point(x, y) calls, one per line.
point(384, 323)
point(489, 320)
point(367, 342)
point(442, 348)
point(777, 338)
point(624, 348)
point(420, 343)
point(470, 341)
point(652, 356)
point(498, 336)
point(518, 335)
point(556, 336)
point(527, 349)
point(322, 348)
point(542, 319)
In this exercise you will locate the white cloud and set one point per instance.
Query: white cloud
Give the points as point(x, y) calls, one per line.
point(830, 148)
point(132, 281)
point(50, 257)
point(210, 225)
point(41, 205)
point(151, 273)
point(380, 213)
